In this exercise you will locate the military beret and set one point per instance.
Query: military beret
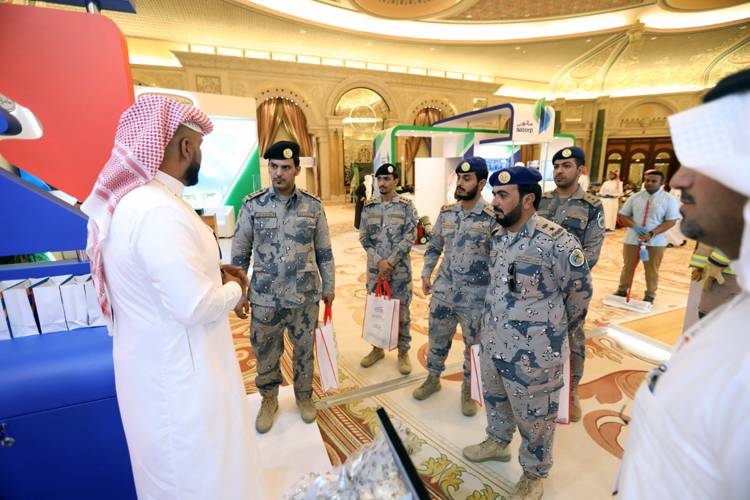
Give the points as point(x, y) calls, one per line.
point(571, 152)
point(473, 164)
point(515, 175)
point(282, 150)
point(387, 169)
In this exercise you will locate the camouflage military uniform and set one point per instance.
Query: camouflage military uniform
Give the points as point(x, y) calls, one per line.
point(540, 287)
point(387, 231)
point(461, 283)
point(583, 216)
point(292, 253)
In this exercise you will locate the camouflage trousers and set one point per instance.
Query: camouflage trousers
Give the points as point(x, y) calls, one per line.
point(531, 409)
point(267, 338)
point(577, 342)
point(442, 328)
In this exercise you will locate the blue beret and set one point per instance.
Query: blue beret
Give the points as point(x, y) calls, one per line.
point(282, 150)
point(474, 164)
point(387, 169)
point(571, 152)
point(515, 175)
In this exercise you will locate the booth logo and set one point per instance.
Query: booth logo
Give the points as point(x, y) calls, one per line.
point(543, 114)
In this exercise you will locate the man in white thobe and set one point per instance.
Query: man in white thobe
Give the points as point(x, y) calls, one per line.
point(690, 437)
point(610, 194)
point(157, 268)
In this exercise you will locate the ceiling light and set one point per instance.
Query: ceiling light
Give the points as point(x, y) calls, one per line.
point(397, 69)
point(280, 56)
point(361, 119)
point(437, 73)
point(202, 49)
point(226, 51)
point(659, 19)
point(453, 74)
point(355, 64)
point(487, 79)
point(308, 59)
point(418, 71)
point(331, 61)
point(257, 54)
point(377, 66)
point(652, 16)
point(473, 78)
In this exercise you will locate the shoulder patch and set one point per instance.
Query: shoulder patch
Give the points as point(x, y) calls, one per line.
point(310, 195)
point(549, 228)
point(405, 201)
point(256, 194)
point(591, 199)
point(489, 211)
point(577, 258)
point(371, 201)
point(447, 208)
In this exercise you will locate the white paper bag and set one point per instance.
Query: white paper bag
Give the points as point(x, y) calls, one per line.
point(4, 329)
point(95, 317)
point(380, 327)
point(18, 304)
point(49, 306)
point(475, 383)
point(563, 410)
point(74, 303)
point(325, 353)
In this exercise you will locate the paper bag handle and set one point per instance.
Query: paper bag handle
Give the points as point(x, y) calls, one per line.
point(327, 314)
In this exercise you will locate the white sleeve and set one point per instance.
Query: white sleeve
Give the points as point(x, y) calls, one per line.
point(167, 245)
point(731, 436)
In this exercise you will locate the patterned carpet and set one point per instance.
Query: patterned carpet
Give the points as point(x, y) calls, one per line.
point(586, 454)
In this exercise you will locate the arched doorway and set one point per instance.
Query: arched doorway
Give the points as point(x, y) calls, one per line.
point(281, 119)
point(634, 156)
point(363, 113)
point(419, 146)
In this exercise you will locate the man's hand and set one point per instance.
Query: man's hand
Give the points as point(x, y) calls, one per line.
point(645, 238)
point(640, 229)
point(696, 274)
point(711, 273)
point(237, 272)
point(242, 308)
point(426, 286)
point(384, 268)
point(328, 299)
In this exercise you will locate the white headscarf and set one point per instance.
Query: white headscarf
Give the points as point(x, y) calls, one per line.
point(713, 139)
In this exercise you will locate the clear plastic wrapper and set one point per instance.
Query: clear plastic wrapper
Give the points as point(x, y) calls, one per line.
point(369, 474)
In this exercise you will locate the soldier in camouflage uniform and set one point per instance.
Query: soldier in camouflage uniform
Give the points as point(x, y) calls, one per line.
point(387, 233)
point(540, 287)
point(463, 230)
point(287, 228)
point(582, 214)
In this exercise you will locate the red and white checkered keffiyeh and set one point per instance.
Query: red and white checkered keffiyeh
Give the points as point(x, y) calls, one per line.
point(142, 135)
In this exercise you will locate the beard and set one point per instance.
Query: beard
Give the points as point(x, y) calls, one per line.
point(468, 196)
point(191, 174)
point(510, 218)
point(564, 183)
point(691, 229)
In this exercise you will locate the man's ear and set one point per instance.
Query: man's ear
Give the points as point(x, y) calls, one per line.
point(185, 149)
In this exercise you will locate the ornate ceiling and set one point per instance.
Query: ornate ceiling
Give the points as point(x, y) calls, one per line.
point(511, 10)
point(633, 59)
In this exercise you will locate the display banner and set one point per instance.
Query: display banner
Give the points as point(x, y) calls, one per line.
point(533, 122)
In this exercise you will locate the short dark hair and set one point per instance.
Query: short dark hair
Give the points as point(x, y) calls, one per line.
point(653, 171)
point(481, 174)
point(535, 189)
point(738, 83)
